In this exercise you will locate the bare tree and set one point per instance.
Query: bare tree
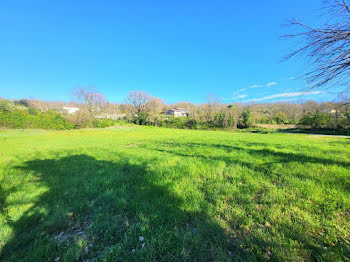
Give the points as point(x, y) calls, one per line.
point(93, 100)
point(139, 100)
point(327, 48)
point(211, 106)
point(156, 105)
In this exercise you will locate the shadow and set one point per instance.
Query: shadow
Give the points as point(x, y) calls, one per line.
point(96, 209)
point(91, 209)
point(273, 157)
point(326, 132)
point(344, 142)
point(324, 208)
point(3, 203)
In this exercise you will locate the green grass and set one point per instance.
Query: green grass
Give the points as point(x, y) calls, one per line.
point(192, 196)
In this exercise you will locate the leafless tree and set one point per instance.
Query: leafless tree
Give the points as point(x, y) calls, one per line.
point(93, 100)
point(156, 105)
point(139, 100)
point(327, 48)
point(211, 106)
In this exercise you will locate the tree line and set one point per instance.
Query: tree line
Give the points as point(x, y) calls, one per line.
point(215, 114)
point(141, 108)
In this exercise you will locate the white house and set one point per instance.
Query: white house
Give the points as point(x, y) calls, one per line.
point(176, 112)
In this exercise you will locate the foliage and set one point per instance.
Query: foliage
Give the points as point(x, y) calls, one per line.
point(5, 106)
point(321, 120)
point(308, 119)
point(22, 102)
point(246, 117)
point(140, 118)
point(280, 118)
point(33, 119)
point(80, 119)
point(102, 123)
point(191, 195)
point(315, 120)
point(210, 115)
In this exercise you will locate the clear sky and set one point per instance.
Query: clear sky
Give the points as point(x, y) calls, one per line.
point(179, 50)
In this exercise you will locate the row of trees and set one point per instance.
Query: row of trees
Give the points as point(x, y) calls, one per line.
point(142, 108)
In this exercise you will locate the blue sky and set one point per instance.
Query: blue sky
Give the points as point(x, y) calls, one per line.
point(179, 50)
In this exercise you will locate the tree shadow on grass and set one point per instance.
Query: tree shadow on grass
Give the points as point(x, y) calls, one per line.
point(3, 203)
point(289, 157)
point(97, 209)
point(297, 229)
point(342, 183)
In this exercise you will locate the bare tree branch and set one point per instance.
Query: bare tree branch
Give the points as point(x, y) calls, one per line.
point(139, 100)
point(94, 100)
point(327, 48)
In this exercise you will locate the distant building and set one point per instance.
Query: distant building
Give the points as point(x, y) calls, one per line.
point(111, 116)
point(71, 110)
point(328, 111)
point(176, 112)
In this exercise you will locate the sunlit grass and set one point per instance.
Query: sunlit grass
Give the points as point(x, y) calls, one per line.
point(192, 195)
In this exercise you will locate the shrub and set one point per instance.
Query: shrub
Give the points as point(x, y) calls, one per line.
point(102, 123)
point(246, 118)
point(5, 106)
point(80, 119)
point(22, 102)
point(321, 120)
point(33, 119)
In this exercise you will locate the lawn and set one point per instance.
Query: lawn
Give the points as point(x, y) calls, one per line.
point(156, 194)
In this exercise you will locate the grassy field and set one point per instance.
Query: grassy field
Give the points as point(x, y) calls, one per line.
point(153, 194)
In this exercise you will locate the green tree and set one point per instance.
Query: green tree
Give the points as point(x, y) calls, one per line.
point(280, 118)
point(321, 120)
point(246, 117)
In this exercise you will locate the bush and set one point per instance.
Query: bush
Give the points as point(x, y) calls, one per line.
point(5, 106)
point(317, 120)
point(102, 123)
point(140, 119)
point(122, 122)
point(179, 122)
point(321, 120)
point(280, 118)
point(22, 102)
point(24, 119)
point(246, 118)
point(80, 119)
point(33, 111)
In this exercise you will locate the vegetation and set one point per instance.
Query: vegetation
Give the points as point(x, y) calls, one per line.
point(140, 192)
point(23, 117)
point(94, 102)
point(23, 114)
point(309, 115)
point(142, 109)
point(156, 194)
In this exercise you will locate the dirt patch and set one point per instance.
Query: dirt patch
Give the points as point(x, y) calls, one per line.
point(271, 126)
point(74, 229)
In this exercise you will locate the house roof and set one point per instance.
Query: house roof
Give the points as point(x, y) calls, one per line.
point(177, 109)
